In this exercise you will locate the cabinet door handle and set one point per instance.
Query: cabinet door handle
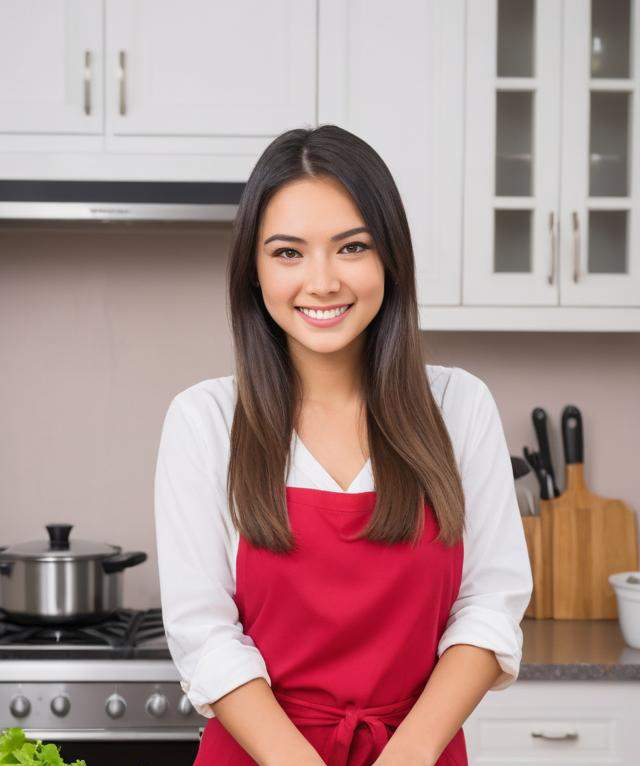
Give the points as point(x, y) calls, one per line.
point(87, 82)
point(576, 246)
point(122, 81)
point(552, 248)
point(555, 736)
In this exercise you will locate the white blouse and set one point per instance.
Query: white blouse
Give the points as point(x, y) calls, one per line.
point(197, 544)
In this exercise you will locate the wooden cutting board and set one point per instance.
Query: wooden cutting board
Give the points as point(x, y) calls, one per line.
point(591, 537)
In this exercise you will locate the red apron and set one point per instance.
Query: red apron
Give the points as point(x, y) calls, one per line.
point(348, 629)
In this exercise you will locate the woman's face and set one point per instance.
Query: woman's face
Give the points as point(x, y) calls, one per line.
point(309, 255)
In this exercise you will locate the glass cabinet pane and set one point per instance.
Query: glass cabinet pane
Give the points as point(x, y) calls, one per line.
point(515, 38)
point(610, 38)
point(514, 120)
point(512, 251)
point(608, 148)
point(607, 242)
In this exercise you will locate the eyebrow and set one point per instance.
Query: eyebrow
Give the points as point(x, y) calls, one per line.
point(335, 238)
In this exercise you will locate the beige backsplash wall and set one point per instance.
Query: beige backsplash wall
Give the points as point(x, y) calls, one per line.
point(100, 325)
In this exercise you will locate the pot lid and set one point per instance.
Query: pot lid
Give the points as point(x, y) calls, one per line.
point(58, 547)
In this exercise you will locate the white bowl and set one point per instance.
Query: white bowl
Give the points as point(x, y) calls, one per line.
point(628, 596)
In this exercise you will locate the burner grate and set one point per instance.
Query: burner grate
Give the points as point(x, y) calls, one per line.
point(125, 628)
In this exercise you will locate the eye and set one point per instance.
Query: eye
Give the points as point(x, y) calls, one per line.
point(281, 251)
point(363, 245)
point(278, 253)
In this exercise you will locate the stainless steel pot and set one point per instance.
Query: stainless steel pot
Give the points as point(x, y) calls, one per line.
point(60, 581)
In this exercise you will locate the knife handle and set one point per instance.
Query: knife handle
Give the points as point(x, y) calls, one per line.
point(539, 417)
point(572, 435)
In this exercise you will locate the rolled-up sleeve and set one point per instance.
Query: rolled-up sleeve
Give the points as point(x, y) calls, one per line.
point(496, 581)
point(197, 582)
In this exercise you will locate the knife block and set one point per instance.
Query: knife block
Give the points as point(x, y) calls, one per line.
point(538, 531)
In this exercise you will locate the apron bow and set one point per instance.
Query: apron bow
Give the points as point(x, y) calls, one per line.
point(346, 721)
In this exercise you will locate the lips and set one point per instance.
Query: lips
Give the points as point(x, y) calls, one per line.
point(325, 322)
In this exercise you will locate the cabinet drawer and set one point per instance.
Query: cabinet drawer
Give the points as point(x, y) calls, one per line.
point(544, 737)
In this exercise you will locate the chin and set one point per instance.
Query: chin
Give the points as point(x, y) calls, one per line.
point(329, 346)
point(321, 346)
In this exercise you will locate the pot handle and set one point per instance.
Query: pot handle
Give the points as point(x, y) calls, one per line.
point(123, 560)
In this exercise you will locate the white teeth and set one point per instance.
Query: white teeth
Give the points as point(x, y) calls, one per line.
point(323, 314)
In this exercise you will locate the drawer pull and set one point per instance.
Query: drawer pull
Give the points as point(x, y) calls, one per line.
point(555, 737)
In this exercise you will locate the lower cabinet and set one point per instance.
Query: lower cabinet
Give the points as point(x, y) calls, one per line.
point(557, 722)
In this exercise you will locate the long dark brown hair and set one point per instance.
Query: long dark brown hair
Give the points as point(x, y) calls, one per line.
point(411, 453)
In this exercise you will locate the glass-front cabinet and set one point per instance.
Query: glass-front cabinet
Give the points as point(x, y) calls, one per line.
point(552, 155)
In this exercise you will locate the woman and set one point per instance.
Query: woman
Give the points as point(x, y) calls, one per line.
point(309, 617)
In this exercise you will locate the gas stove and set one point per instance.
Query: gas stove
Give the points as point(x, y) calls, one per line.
point(126, 634)
point(98, 691)
point(128, 646)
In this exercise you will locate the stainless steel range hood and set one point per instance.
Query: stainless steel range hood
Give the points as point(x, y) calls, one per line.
point(119, 200)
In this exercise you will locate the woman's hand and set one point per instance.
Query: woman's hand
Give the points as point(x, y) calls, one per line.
point(301, 761)
point(396, 756)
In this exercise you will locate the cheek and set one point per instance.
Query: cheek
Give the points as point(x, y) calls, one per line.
point(368, 284)
point(279, 288)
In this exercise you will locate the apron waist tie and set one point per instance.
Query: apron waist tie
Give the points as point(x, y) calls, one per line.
point(302, 712)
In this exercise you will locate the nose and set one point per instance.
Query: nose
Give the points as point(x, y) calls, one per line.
point(321, 277)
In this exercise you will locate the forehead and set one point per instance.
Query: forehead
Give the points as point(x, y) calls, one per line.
point(311, 207)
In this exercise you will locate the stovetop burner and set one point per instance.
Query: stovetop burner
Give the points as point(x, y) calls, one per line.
point(127, 633)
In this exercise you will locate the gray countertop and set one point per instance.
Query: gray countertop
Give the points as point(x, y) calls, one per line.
point(576, 650)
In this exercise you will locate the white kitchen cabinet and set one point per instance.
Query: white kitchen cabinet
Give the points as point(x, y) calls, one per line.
point(193, 91)
point(552, 173)
point(600, 204)
point(393, 74)
point(556, 723)
point(198, 68)
point(51, 59)
point(468, 110)
point(512, 177)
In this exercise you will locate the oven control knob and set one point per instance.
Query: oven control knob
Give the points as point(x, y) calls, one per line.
point(115, 706)
point(60, 705)
point(184, 706)
point(20, 706)
point(157, 705)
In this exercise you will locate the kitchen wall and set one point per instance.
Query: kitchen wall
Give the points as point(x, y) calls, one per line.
point(100, 325)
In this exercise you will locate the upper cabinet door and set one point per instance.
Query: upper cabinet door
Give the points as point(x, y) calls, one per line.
point(393, 74)
point(512, 152)
point(601, 154)
point(243, 68)
point(51, 63)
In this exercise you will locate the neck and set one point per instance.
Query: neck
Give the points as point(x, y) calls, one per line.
point(329, 380)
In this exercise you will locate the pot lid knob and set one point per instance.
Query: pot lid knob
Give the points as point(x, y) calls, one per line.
point(59, 536)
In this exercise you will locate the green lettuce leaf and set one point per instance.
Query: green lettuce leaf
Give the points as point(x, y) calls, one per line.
point(15, 748)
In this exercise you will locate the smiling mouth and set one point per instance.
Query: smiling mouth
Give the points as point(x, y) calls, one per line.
point(336, 311)
point(333, 318)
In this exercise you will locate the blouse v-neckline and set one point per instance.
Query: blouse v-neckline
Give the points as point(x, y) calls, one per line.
point(323, 478)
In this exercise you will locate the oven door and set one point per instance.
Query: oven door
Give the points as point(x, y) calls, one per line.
point(126, 747)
